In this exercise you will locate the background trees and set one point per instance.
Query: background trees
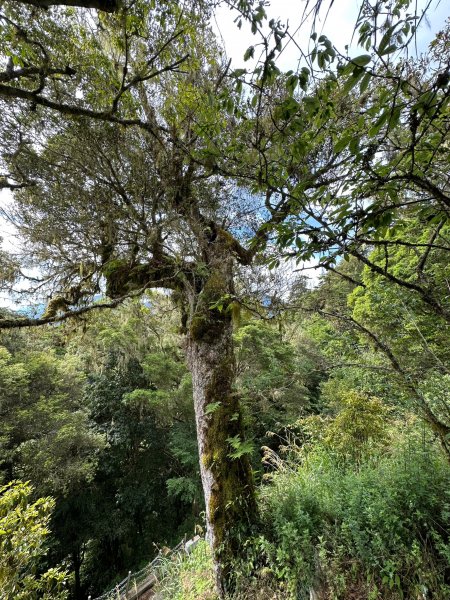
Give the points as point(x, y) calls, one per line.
point(360, 452)
point(139, 160)
point(118, 454)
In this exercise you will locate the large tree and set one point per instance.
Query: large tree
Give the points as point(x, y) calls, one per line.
point(137, 163)
point(116, 192)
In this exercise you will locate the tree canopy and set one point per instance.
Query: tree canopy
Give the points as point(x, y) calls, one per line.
point(139, 159)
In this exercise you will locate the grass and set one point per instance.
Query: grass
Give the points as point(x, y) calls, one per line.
point(191, 577)
point(187, 576)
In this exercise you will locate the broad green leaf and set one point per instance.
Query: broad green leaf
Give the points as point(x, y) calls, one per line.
point(365, 82)
point(362, 61)
point(341, 144)
point(389, 49)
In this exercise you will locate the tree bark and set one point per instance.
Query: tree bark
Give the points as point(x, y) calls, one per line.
point(227, 479)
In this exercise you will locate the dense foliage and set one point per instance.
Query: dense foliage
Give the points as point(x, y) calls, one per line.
point(23, 529)
point(108, 432)
point(354, 496)
point(139, 161)
point(366, 528)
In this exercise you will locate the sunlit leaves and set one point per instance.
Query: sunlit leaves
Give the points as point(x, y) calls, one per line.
point(23, 532)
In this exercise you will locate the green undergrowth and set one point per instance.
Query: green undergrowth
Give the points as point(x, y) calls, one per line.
point(187, 576)
point(191, 577)
point(377, 529)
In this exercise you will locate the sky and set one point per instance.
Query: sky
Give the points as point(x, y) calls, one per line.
point(338, 27)
point(6, 230)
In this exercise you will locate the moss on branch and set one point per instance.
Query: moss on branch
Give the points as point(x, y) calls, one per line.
point(123, 278)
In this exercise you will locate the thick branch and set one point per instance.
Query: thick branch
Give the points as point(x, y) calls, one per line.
point(243, 256)
point(5, 185)
point(6, 76)
point(18, 322)
point(75, 111)
point(104, 5)
point(161, 271)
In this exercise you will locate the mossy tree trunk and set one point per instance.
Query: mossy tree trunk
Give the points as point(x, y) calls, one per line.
point(226, 476)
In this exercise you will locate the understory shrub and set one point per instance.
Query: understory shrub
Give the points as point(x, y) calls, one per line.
point(378, 529)
point(332, 530)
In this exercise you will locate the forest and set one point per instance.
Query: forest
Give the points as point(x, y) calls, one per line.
point(225, 300)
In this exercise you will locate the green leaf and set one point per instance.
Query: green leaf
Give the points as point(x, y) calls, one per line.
point(389, 49)
point(352, 81)
point(249, 53)
point(385, 41)
point(310, 102)
point(395, 117)
point(291, 82)
point(365, 82)
point(341, 144)
point(354, 145)
point(362, 61)
point(376, 128)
